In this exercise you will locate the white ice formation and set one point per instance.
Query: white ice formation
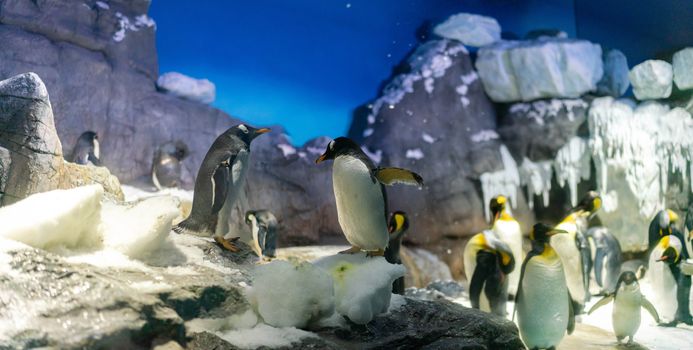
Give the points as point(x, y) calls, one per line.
point(362, 285)
point(615, 80)
point(288, 295)
point(125, 24)
point(470, 29)
point(683, 68)
point(177, 84)
point(651, 80)
point(429, 62)
point(528, 70)
point(502, 182)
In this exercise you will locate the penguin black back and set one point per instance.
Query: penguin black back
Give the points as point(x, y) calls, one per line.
point(397, 227)
point(87, 149)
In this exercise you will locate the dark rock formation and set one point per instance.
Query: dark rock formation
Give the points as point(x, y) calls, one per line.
point(31, 155)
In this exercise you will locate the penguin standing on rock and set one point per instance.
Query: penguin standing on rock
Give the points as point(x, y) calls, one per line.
point(264, 227)
point(166, 165)
point(87, 149)
point(487, 262)
point(360, 195)
point(397, 227)
point(625, 317)
point(574, 249)
point(220, 177)
point(508, 230)
point(543, 304)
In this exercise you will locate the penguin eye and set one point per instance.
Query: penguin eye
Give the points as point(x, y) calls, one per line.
point(243, 128)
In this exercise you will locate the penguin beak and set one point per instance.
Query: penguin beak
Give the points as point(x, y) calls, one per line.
point(663, 258)
point(321, 159)
point(555, 231)
point(262, 131)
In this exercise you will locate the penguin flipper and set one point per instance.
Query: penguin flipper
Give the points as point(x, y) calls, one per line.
point(93, 159)
point(220, 182)
point(605, 300)
point(476, 283)
point(518, 294)
point(647, 305)
point(571, 315)
point(391, 176)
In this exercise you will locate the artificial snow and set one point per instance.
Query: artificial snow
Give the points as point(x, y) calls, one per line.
point(572, 164)
point(484, 135)
point(265, 336)
point(470, 29)
point(287, 150)
point(539, 111)
point(536, 176)
point(615, 80)
point(362, 285)
point(427, 138)
point(502, 182)
point(528, 70)
point(416, 153)
point(651, 79)
point(125, 24)
point(183, 86)
point(102, 5)
point(288, 295)
point(682, 63)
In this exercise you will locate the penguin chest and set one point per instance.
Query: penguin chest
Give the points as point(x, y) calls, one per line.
point(360, 204)
point(566, 247)
point(509, 232)
point(664, 286)
point(626, 313)
point(542, 308)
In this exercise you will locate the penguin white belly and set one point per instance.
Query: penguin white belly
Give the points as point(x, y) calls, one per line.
point(542, 310)
point(360, 204)
point(565, 246)
point(238, 171)
point(510, 233)
point(663, 286)
point(625, 317)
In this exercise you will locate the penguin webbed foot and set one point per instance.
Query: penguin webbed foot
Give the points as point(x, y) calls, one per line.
point(668, 324)
point(228, 244)
point(353, 250)
point(379, 252)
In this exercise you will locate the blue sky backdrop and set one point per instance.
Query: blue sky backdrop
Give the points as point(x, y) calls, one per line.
point(306, 64)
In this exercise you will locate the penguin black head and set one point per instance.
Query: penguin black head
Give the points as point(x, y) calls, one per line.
point(181, 150)
point(338, 147)
point(666, 219)
point(89, 136)
point(590, 203)
point(669, 256)
point(541, 233)
point(628, 277)
point(398, 223)
point(246, 133)
point(497, 205)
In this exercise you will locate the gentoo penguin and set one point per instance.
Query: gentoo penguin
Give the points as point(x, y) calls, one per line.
point(166, 165)
point(508, 230)
point(487, 262)
point(661, 225)
point(221, 175)
point(87, 149)
point(397, 227)
point(664, 275)
point(573, 249)
point(360, 195)
point(264, 227)
point(607, 258)
point(543, 303)
point(625, 316)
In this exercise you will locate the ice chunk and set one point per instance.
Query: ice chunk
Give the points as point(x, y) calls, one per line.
point(470, 29)
point(288, 295)
point(572, 164)
point(177, 84)
point(502, 182)
point(55, 219)
point(416, 153)
point(537, 178)
point(683, 68)
point(362, 285)
point(651, 79)
point(264, 336)
point(615, 80)
point(528, 70)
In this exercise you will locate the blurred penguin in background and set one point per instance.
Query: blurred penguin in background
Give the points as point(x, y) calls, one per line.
point(264, 227)
point(397, 226)
point(663, 224)
point(607, 258)
point(87, 150)
point(508, 230)
point(166, 166)
point(574, 250)
point(664, 274)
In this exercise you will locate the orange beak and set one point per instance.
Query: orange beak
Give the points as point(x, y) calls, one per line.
point(263, 130)
point(321, 158)
point(664, 258)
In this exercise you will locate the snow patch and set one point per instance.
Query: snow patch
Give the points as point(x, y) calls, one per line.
point(416, 153)
point(102, 5)
point(368, 132)
point(427, 138)
point(265, 336)
point(287, 150)
point(125, 24)
point(484, 135)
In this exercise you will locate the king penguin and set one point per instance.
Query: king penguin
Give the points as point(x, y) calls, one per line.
point(398, 225)
point(574, 249)
point(543, 304)
point(661, 225)
point(508, 230)
point(87, 150)
point(360, 195)
point(664, 273)
point(487, 262)
point(625, 316)
point(220, 177)
point(264, 226)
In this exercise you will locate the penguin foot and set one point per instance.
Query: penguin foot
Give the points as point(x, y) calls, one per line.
point(227, 244)
point(668, 324)
point(686, 319)
point(353, 250)
point(379, 252)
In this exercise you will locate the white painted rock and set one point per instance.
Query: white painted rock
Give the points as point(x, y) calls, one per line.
point(181, 85)
point(615, 80)
point(529, 70)
point(683, 68)
point(470, 29)
point(651, 79)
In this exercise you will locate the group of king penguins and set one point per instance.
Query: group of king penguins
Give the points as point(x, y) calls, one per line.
point(552, 284)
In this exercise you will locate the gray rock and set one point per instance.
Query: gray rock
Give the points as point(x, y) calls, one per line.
point(651, 79)
point(682, 63)
point(615, 80)
point(470, 29)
